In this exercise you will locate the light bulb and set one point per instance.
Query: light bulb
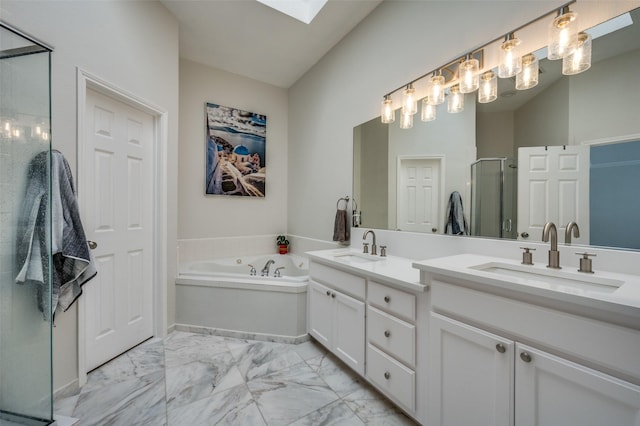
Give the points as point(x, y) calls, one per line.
point(510, 60)
point(488, 91)
point(436, 90)
point(528, 77)
point(469, 79)
point(409, 101)
point(428, 110)
point(406, 121)
point(387, 114)
point(563, 34)
point(580, 59)
point(456, 100)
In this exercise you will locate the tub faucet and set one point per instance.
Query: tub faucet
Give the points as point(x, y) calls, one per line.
point(374, 249)
point(549, 232)
point(265, 270)
point(571, 226)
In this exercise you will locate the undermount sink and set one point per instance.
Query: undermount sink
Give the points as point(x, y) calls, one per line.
point(556, 279)
point(357, 257)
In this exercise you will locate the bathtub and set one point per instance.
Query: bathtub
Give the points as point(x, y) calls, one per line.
point(219, 296)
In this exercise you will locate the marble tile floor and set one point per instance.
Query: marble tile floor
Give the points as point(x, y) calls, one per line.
point(193, 379)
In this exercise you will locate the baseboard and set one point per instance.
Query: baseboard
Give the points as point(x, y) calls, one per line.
point(70, 389)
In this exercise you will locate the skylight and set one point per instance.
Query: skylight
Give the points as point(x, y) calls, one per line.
point(302, 10)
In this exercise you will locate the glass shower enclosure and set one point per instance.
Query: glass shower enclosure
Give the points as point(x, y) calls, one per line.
point(493, 209)
point(25, 248)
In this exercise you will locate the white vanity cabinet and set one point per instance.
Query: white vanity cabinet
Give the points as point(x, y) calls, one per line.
point(376, 324)
point(336, 319)
point(485, 377)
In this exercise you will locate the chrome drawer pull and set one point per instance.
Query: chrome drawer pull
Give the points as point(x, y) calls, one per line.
point(387, 299)
point(500, 348)
point(387, 333)
point(387, 375)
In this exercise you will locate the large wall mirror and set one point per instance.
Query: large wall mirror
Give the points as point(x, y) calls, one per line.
point(582, 131)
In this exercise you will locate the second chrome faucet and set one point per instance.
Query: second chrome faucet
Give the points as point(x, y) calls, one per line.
point(374, 248)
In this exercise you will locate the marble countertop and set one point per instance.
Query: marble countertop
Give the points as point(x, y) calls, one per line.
point(620, 294)
point(397, 271)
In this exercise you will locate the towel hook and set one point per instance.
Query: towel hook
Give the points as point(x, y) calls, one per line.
point(346, 202)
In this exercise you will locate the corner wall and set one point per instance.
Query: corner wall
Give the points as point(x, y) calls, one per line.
point(133, 46)
point(208, 216)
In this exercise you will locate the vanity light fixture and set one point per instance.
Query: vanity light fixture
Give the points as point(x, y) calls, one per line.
point(387, 113)
point(406, 121)
point(456, 100)
point(409, 101)
point(580, 59)
point(510, 60)
point(428, 110)
point(436, 90)
point(528, 77)
point(468, 74)
point(488, 91)
point(563, 34)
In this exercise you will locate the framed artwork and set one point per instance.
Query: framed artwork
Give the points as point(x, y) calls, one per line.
point(236, 147)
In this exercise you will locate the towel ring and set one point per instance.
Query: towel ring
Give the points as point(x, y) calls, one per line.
point(346, 203)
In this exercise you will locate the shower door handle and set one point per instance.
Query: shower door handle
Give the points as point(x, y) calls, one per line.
point(92, 245)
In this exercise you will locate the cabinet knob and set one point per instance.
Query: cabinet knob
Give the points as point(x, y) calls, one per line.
point(387, 299)
point(333, 295)
point(525, 356)
point(500, 348)
point(387, 333)
point(387, 375)
point(328, 293)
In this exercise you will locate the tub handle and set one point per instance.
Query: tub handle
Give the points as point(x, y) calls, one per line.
point(276, 273)
point(252, 271)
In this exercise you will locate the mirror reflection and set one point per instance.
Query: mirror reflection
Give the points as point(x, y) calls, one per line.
point(565, 150)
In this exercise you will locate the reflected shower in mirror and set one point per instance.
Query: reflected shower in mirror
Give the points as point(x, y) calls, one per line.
point(565, 150)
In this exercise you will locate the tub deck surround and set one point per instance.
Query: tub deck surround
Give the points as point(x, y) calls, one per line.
point(617, 301)
point(395, 271)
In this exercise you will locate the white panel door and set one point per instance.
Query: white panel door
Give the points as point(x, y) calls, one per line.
point(553, 391)
point(118, 199)
point(553, 186)
point(418, 206)
point(471, 375)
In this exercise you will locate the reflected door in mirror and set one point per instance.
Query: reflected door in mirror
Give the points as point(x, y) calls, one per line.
point(419, 194)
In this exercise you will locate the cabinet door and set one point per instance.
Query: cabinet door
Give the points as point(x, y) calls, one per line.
point(471, 374)
point(348, 331)
point(320, 313)
point(553, 391)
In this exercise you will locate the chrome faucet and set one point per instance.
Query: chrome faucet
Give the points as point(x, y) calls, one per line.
point(550, 232)
point(374, 249)
point(265, 270)
point(567, 233)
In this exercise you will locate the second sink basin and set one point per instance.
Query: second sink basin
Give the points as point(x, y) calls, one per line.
point(558, 279)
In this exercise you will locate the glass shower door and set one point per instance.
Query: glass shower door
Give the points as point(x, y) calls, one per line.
point(25, 295)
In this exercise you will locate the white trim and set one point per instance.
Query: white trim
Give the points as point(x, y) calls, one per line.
point(613, 139)
point(86, 80)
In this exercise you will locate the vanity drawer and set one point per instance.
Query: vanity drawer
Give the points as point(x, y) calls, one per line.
point(343, 281)
point(396, 380)
point(392, 300)
point(391, 334)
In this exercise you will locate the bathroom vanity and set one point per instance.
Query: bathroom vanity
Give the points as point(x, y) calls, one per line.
point(471, 339)
point(372, 313)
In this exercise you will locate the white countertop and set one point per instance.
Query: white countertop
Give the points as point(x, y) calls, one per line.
point(390, 269)
point(624, 300)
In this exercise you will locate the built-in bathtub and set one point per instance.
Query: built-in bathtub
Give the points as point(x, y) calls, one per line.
point(220, 296)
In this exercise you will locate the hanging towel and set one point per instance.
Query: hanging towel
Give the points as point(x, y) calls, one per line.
point(341, 226)
point(456, 223)
point(71, 262)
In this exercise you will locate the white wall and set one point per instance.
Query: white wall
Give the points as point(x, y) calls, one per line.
point(132, 45)
point(396, 43)
point(210, 216)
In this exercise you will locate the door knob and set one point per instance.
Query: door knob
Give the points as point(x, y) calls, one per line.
point(434, 229)
point(524, 235)
point(92, 245)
